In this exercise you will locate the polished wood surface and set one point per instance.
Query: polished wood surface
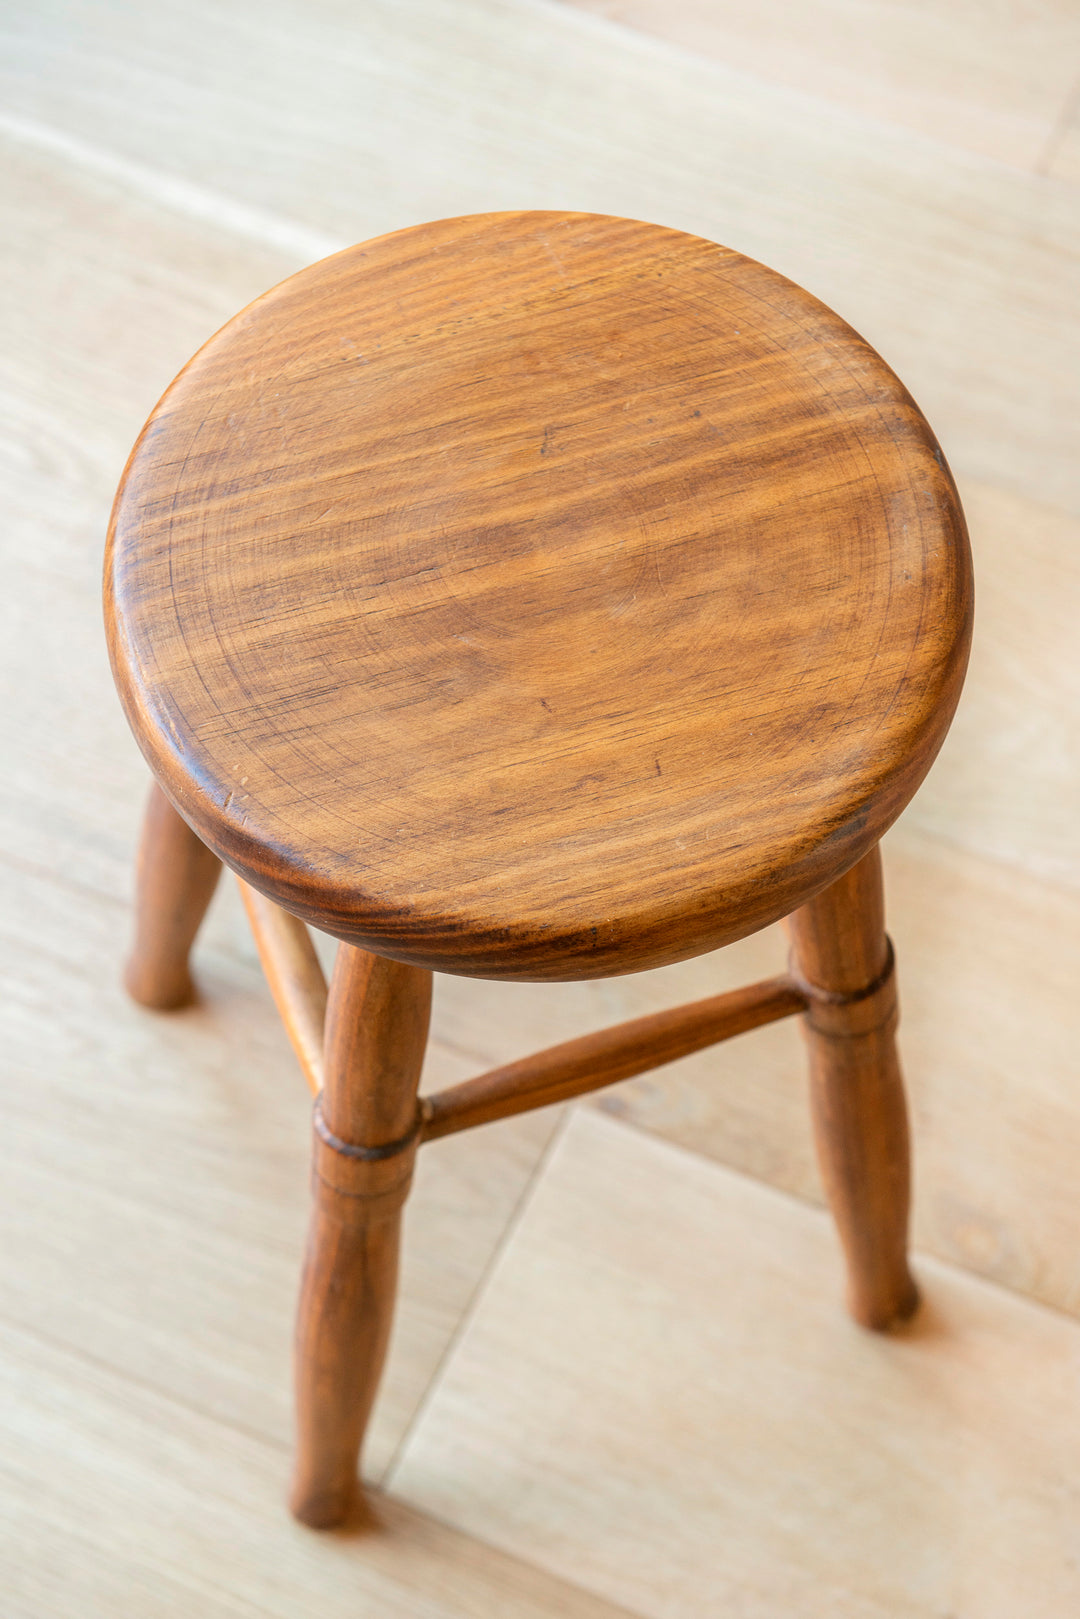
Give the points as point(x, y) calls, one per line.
point(603, 1058)
point(538, 595)
point(843, 959)
point(376, 1032)
point(174, 883)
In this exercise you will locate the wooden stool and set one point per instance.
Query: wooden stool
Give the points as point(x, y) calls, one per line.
point(534, 596)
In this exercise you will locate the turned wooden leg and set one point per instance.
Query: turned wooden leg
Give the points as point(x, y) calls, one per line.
point(367, 1124)
point(176, 877)
point(842, 958)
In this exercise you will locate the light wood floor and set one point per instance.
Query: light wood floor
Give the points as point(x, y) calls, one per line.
point(621, 1381)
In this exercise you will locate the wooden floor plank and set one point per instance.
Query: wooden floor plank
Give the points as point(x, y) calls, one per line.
point(988, 77)
point(1007, 783)
point(1006, 788)
point(660, 1393)
point(140, 287)
point(959, 269)
point(155, 1170)
point(116, 1503)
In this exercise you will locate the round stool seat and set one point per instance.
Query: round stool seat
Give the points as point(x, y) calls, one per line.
point(538, 595)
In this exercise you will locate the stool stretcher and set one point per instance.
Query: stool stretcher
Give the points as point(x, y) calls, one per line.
point(603, 1058)
point(555, 1075)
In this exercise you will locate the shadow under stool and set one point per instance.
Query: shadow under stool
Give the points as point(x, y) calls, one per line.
point(534, 596)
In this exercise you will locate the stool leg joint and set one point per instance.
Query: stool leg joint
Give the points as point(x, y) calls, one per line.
point(368, 1155)
point(818, 994)
point(366, 1128)
point(847, 1014)
point(845, 966)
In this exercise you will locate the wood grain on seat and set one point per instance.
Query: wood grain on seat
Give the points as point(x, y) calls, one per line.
point(538, 595)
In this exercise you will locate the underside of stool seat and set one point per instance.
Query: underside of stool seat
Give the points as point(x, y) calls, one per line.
point(538, 595)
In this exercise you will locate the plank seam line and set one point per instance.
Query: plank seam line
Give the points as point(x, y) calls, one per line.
point(1056, 138)
point(180, 196)
point(385, 1480)
point(123, 1375)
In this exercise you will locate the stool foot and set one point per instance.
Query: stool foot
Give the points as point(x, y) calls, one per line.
point(843, 959)
point(345, 1315)
point(366, 1133)
point(176, 878)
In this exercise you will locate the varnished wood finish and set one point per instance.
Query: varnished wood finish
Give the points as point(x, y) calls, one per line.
point(538, 595)
point(376, 1031)
point(541, 596)
point(294, 973)
point(579, 1066)
point(842, 955)
point(175, 881)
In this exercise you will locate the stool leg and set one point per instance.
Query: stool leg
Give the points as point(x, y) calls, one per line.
point(176, 877)
point(366, 1132)
point(843, 959)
